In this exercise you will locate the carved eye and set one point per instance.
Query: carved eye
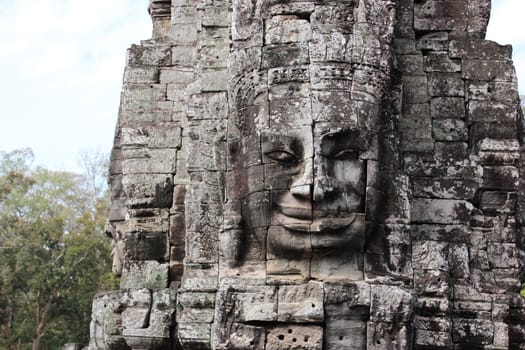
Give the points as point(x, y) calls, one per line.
point(281, 156)
point(346, 154)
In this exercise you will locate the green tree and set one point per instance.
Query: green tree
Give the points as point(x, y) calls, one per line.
point(53, 254)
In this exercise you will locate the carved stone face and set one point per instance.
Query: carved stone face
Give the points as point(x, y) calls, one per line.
point(323, 202)
point(305, 156)
point(306, 163)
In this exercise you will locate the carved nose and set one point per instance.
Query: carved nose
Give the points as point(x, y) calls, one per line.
point(302, 191)
point(302, 187)
point(314, 185)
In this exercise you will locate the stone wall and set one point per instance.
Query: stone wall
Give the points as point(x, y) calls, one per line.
point(316, 175)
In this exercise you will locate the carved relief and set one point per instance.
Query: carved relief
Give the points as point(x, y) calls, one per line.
point(316, 175)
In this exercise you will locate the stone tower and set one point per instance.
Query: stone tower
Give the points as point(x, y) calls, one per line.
point(316, 174)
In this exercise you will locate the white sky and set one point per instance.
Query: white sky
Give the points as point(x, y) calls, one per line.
point(61, 66)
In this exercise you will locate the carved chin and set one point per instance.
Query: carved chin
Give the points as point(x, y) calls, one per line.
point(326, 234)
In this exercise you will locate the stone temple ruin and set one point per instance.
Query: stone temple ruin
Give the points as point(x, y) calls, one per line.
point(317, 174)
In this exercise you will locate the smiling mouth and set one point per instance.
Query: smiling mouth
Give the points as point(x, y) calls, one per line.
point(303, 220)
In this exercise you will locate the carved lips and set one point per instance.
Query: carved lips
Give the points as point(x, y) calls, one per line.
point(307, 220)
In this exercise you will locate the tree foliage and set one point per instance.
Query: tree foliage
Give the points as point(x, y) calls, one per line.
point(53, 253)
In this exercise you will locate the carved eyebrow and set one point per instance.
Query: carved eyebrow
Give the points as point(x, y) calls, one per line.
point(344, 139)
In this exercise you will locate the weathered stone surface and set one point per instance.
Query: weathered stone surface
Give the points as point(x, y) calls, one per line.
point(441, 211)
point(316, 175)
point(144, 274)
point(303, 303)
point(292, 337)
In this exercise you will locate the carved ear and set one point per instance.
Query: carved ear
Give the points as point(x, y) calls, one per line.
point(230, 240)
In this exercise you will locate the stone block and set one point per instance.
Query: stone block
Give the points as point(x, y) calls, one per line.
point(106, 323)
point(329, 47)
point(449, 130)
point(416, 118)
point(285, 55)
point(141, 75)
point(493, 145)
point(391, 304)
point(195, 307)
point(159, 135)
point(490, 112)
point(213, 80)
point(383, 335)
point(427, 306)
point(501, 334)
point(498, 202)
point(433, 41)
point(488, 70)
point(185, 34)
point(287, 270)
point(194, 335)
point(256, 305)
point(451, 153)
point(144, 274)
point(445, 84)
point(184, 15)
point(478, 48)
point(147, 317)
point(435, 324)
point(294, 337)
point(444, 188)
point(216, 15)
point(144, 92)
point(184, 55)
point(503, 178)
point(301, 303)
point(431, 283)
point(246, 28)
point(149, 161)
point(430, 255)
point(478, 90)
point(333, 17)
point(243, 336)
point(339, 77)
point(459, 261)
point(345, 334)
point(133, 113)
point(501, 130)
point(443, 232)
point(335, 268)
point(432, 332)
point(200, 277)
point(255, 209)
point(473, 332)
point(149, 55)
point(283, 29)
point(146, 246)
point(415, 89)
point(353, 295)
point(441, 62)
point(138, 305)
point(469, 309)
point(176, 75)
point(502, 255)
point(441, 211)
point(440, 15)
point(411, 64)
point(405, 46)
point(177, 229)
point(447, 108)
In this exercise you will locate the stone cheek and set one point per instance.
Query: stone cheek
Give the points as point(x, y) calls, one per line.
point(316, 175)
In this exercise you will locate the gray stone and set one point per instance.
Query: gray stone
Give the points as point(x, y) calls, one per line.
point(316, 175)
